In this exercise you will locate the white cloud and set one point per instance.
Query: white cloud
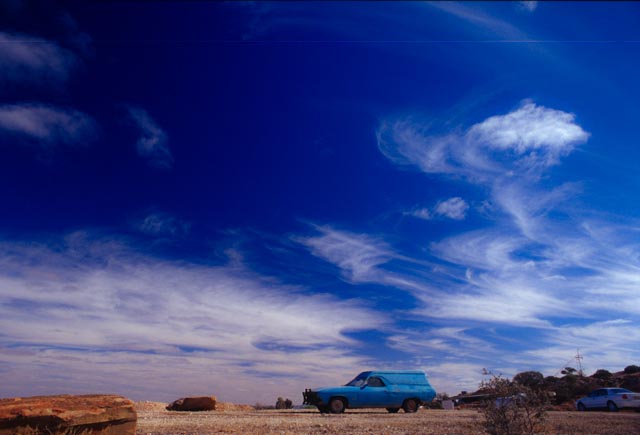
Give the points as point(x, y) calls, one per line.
point(521, 143)
point(454, 208)
point(47, 126)
point(70, 305)
point(153, 142)
point(542, 134)
point(25, 58)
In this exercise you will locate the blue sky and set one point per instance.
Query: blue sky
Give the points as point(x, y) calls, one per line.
point(249, 199)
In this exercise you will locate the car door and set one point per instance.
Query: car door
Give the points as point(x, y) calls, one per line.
point(599, 398)
point(591, 401)
point(375, 393)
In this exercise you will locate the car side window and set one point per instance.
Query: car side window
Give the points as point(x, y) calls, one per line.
point(375, 382)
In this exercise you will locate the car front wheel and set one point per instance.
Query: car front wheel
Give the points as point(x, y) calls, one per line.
point(581, 407)
point(410, 405)
point(336, 406)
point(612, 407)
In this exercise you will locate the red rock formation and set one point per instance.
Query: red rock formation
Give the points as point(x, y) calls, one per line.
point(193, 404)
point(92, 414)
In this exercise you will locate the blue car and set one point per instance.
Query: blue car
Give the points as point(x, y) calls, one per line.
point(374, 389)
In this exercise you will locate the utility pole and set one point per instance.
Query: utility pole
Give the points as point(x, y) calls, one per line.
point(579, 358)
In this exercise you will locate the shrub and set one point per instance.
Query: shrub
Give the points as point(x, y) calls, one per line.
point(530, 379)
point(631, 369)
point(514, 409)
point(603, 374)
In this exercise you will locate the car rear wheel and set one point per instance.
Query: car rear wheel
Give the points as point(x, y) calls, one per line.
point(410, 405)
point(336, 406)
point(393, 410)
point(581, 407)
point(612, 407)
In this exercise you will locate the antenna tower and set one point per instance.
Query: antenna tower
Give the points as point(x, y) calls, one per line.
point(579, 358)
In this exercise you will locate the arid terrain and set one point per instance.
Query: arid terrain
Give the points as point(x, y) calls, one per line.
point(155, 421)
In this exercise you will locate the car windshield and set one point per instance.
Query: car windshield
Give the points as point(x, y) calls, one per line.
point(358, 381)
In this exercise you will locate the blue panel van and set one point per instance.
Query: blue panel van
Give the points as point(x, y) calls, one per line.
point(374, 389)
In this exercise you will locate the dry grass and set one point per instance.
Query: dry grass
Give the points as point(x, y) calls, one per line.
point(369, 422)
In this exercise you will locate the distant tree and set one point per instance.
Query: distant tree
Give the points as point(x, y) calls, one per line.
point(530, 379)
point(631, 369)
point(568, 371)
point(603, 374)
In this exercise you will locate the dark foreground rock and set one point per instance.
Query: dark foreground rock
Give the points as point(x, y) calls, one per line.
point(90, 414)
point(194, 404)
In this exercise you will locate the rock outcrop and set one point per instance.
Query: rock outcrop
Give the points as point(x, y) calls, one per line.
point(90, 414)
point(206, 403)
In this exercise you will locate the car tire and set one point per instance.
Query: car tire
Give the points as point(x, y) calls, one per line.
point(410, 405)
point(336, 406)
point(393, 410)
point(581, 407)
point(612, 407)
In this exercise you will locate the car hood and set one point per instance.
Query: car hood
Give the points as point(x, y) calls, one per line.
point(336, 390)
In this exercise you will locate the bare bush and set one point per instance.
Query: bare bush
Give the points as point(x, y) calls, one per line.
point(513, 409)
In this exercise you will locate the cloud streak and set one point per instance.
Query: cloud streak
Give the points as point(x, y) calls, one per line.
point(47, 126)
point(26, 58)
point(153, 143)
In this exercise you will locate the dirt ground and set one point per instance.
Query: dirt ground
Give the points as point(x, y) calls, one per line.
point(366, 422)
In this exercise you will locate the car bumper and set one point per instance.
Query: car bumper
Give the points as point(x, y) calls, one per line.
point(634, 404)
point(311, 398)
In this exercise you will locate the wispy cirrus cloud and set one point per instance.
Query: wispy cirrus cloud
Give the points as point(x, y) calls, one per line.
point(153, 143)
point(540, 265)
point(47, 126)
point(528, 5)
point(473, 15)
point(73, 302)
point(453, 208)
point(528, 140)
point(162, 225)
point(26, 58)
point(363, 259)
point(357, 256)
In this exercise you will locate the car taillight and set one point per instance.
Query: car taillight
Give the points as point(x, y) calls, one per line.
point(625, 397)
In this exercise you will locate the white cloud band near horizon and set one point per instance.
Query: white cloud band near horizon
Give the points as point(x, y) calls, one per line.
point(67, 303)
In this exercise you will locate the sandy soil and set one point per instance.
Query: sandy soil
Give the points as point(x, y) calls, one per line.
point(365, 422)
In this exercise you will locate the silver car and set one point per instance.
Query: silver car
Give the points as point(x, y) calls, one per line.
point(609, 398)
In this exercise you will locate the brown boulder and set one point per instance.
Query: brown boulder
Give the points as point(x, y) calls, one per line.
point(193, 404)
point(90, 414)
